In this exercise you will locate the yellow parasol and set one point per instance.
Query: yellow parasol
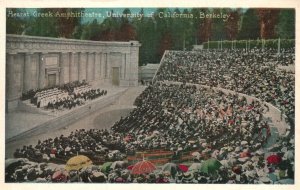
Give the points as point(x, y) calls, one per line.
point(78, 162)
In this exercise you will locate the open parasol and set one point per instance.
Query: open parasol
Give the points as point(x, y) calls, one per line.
point(78, 162)
point(210, 166)
point(143, 167)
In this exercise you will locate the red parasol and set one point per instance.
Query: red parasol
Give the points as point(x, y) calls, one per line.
point(274, 159)
point(183, 167)
point(60, 176)
point(143, 167)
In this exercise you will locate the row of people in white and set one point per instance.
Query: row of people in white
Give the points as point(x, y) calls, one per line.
point(82, 89)
point(44, 100)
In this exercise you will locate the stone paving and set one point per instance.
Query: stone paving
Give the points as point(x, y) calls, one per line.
point(20, 121)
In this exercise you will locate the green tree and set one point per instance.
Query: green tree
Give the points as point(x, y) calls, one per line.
point(249, 25)
point(126, 31)
point(196, 25)
point(218, 26)
point(188, 32)
point(92, 31)
point(110, 27)
point(147, 37)
point(232, 24)
point(43, 26)
point(163, 30)
point(66, 24)
point(77, 33)
point(286, 24)
point(204, 29)
point(178, 32)
point(15, 25)
point(268, 19)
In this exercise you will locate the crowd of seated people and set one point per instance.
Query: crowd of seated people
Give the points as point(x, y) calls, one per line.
point(97, 144)
point(67, 96)
point(286, 57)
point(255, 168)
point(168, 116)
point(252, 73)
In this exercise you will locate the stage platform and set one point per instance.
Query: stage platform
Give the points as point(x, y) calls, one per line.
point(29, 120)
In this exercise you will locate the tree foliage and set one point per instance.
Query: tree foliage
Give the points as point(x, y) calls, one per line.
point(157, 34)
point(249, 25)
point(286, 24)
point(268, 20)
point(232, 25)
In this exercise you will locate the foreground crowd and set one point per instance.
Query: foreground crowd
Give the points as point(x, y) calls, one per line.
point(239, 166)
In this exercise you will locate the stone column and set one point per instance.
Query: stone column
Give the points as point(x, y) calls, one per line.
point(90, 67)
point(74, 66)
point(64, 68)
point(134, 63)
point(103, 65)
point(79, 66)
point(71, 65)
point(108, 68)
point(34, 61)
point(13, 81)
point(42, 71)
point(61, 66)
point(82, 66)
point(127, 66)
point(87, 67)
point(97, 66)
point(94, 65)
point(27, 73)
point(123, 66)
point(38, 58)
point(10, 90)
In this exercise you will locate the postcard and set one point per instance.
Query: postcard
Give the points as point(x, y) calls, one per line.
point(144, 95)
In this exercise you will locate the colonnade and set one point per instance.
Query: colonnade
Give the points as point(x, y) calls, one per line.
point(32, 61)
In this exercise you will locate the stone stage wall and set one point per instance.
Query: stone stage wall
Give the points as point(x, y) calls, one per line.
point(39, 62)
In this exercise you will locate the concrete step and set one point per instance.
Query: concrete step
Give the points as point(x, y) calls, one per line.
point(31, 108)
